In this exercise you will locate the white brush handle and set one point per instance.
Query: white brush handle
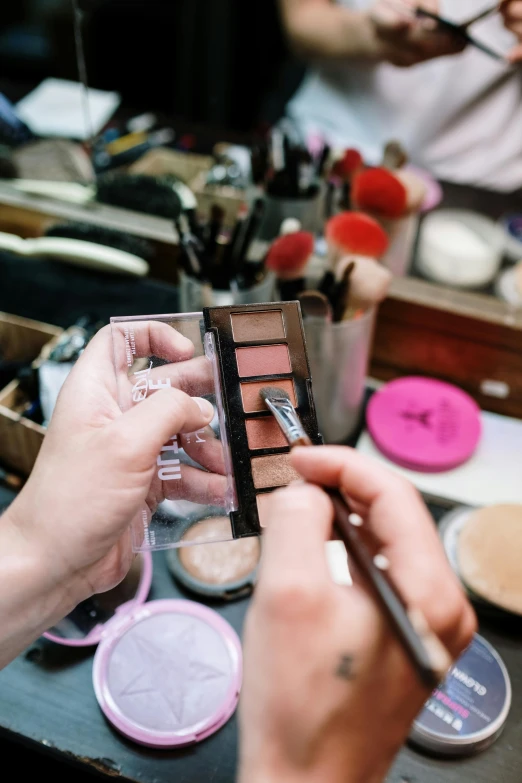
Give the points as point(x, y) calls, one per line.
point(76, 251)
point(186, 196)
point(73, 192)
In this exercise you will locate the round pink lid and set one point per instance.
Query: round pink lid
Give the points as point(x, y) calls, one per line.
point(168, 673)
point(424, 424)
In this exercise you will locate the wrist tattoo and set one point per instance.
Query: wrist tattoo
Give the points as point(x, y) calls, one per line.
point(345, 667)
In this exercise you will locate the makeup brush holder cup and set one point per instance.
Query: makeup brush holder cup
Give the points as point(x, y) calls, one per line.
point(403, 236)
point(194, 295)
point(339, 355)
point(309, 212)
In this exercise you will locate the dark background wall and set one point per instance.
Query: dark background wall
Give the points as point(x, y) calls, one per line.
point(223, 62)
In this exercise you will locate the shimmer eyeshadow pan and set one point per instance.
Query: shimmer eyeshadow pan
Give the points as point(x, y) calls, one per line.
point(273, 471)
point(254, 346)
point(263, 360)
point(252, 400)
point(249, 327)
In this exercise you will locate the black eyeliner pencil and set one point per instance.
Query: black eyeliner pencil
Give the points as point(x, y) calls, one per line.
point(429, 657)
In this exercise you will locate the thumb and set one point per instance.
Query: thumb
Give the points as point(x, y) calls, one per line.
point(142, 431)
point(298, 523)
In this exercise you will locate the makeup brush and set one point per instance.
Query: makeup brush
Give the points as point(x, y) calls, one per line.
point(88, 254)
point(190, 244)
point(138, 192)
point(341, 294)
point(369, 283)
point(355, 233)
point(316, 305)
point(395, 156)
point(246, 272)
point(287, 257)
point(415, 190)
point(380, 193)
point(344, 168)
point(426, 652)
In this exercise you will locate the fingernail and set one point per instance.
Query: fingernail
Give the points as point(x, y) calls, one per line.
point(206, 407)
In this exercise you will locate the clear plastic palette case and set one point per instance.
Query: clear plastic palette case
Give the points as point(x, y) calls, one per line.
point(226, 355)
point(193, 480)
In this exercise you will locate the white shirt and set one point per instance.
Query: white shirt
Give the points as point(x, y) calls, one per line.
point(460, 117)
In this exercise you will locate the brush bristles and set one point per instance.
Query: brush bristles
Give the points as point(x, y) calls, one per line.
point(273, 393)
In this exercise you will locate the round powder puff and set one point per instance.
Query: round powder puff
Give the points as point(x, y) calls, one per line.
point(489, 549)
point(424, 424)
point(215, 565)
point(169, 673)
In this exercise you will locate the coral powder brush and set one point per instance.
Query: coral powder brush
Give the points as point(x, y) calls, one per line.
point(287, 257)
point(379, 192)
point(357, 234)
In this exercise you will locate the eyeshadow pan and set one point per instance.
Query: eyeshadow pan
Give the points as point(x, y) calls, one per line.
point(267, 325)
point(263, 500)
point(273, 471)
point(263, 360)
point(252, 400)
point(264, 434)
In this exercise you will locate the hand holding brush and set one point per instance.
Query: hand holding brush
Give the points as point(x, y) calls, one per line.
point(427, 654)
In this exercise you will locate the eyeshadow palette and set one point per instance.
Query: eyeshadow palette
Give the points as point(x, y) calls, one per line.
point(227, 355)
point(260, 345)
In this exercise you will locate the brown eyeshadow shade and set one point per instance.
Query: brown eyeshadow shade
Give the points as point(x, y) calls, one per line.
point(264, 434)
point(218, 561)
point(252, 400)
point(273, 471)
point(267, 325)
point(263, 360)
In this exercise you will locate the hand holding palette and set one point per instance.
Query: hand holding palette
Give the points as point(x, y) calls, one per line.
point(225, 354)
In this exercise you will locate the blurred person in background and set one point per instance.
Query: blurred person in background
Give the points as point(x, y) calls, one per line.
point(379, 72)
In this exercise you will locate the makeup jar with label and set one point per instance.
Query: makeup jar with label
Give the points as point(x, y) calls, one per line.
point(467, 712)
point(226, 355)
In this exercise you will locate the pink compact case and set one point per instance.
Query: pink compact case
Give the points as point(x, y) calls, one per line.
point(168, 673)
point(85, 625)
point(424, 424)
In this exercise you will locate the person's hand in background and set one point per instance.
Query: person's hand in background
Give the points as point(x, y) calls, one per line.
point(405, 40)
point(67, 534)
point(388, 31)
point(511, 11)
point(329, 694)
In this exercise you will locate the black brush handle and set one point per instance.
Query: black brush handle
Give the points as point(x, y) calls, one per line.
point(384, 591)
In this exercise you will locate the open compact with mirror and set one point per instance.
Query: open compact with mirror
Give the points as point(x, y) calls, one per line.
point(224, 472)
